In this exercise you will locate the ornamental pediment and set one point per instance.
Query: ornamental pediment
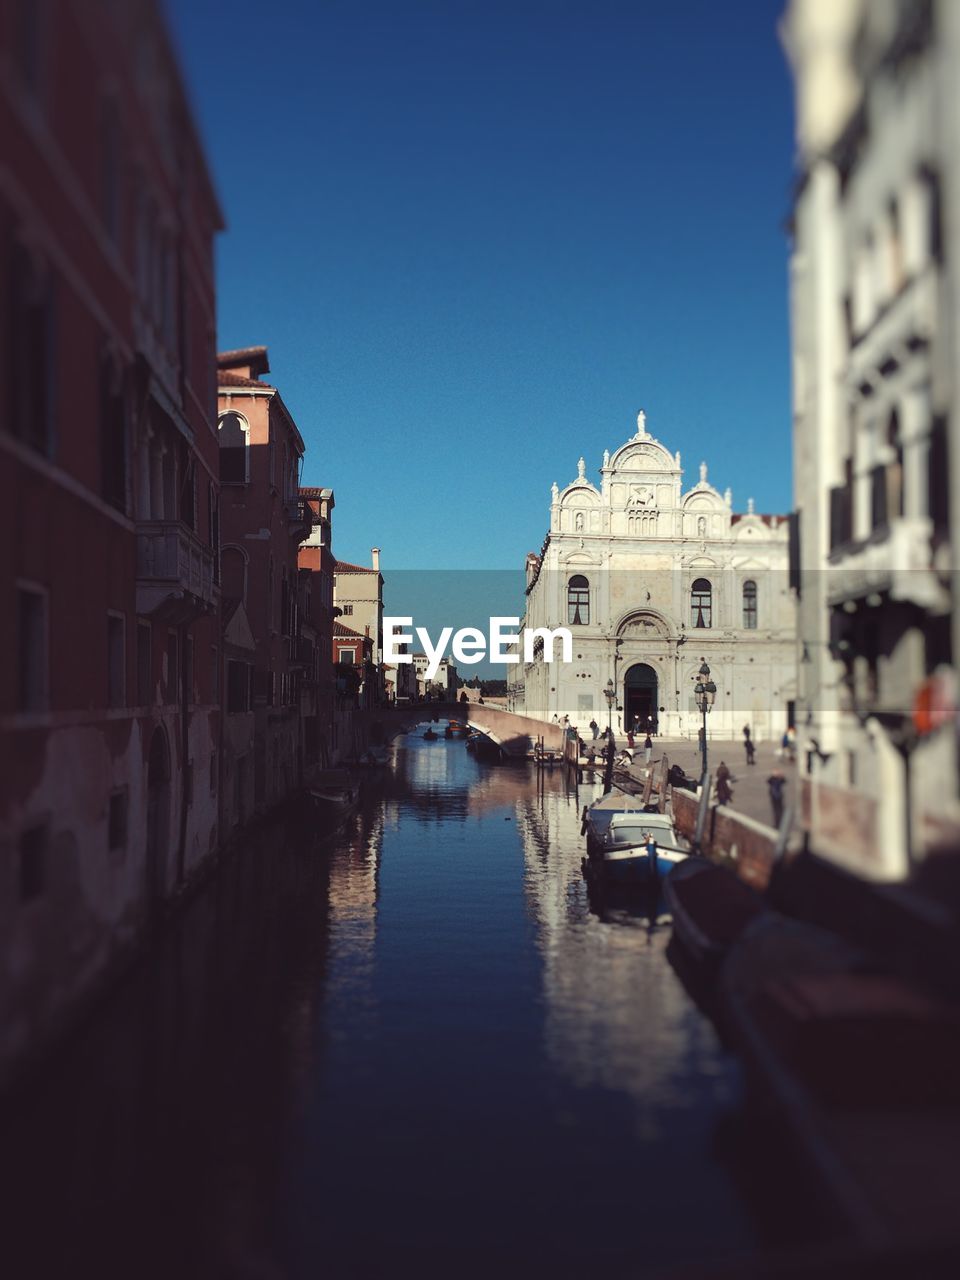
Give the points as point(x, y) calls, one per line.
point(643, 625)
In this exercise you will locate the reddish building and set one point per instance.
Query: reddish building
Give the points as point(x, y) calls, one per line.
point(264, 520)
point(109, 721)
point(350, 648)
point(318, 688)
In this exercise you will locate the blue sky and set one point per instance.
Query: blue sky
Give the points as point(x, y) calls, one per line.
point(478, 237)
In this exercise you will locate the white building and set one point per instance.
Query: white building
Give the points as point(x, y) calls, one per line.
point(876, 353)
point(444, 681)
point(652, 579)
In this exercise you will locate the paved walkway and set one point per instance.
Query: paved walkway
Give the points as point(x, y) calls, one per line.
point(750, 795)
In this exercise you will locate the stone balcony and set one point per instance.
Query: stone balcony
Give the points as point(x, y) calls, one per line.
point(896, 561)
point(175, 572)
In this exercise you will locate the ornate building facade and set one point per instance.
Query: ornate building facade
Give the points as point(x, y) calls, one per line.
point(651, 580)
point(875, 301)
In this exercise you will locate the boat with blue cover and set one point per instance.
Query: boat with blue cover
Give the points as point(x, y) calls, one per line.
point(631, 846)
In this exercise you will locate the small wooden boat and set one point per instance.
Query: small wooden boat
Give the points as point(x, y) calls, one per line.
point(430, 736)
point(597, 817)
point(333, 804)
point(637, 848)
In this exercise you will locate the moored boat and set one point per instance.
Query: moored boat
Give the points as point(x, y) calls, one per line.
point(637, 848)
point(597, 817)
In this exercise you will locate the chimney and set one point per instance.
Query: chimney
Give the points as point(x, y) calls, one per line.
point(375, 552)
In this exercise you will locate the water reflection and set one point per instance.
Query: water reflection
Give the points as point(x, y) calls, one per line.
point(416, 1047)
point(617, 1017)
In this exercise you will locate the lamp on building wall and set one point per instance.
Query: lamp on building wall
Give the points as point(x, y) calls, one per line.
point(610, 693)
point(705, 692)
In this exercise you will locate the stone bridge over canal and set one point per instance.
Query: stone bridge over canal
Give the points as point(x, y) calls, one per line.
point(514, 734)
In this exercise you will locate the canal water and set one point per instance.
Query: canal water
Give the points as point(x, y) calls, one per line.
point(415, 1048)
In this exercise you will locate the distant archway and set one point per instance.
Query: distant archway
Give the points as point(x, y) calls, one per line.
point(640, 696)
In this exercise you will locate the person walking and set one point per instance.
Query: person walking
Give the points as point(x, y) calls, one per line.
point(647, 749)
point(776, 785)
point(724, 790)
point(750, 750)
point(594, 729)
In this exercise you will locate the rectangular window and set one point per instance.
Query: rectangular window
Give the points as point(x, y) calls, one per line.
point(117, 820)
point(345, 655)
point(841, 509)
point(238, 687)
point(172, 667)
point(585, 702)
point(33, 869)
point(213, 513)
point(31, 352)
point(938, 487)
point(33, 648)
point(113, 437)
point(144, 664)
point(878, 497)
point(187, 674)
point(116, 661)
point(348, 610)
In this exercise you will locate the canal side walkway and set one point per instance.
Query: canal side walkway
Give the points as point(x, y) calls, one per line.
point(750, 794)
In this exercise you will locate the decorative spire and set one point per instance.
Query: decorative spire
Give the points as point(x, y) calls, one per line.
point(728, 496)
point(749, 506)
point(606, 457)
point(703, 473)
point(554, 491)
point(582, 469)
point(641, 425)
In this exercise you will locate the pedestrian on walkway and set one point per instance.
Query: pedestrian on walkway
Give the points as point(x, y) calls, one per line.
point(647, 749)
point(750, 750)
point(594, 729)
point(724, 790)
point(776, 785)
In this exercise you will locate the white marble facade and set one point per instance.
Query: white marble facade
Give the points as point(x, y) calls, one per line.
point(651, 579)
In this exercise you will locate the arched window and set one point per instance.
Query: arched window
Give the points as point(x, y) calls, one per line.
point(233, 449)
point(750, 606)
point(701, 603)
point(578, 601)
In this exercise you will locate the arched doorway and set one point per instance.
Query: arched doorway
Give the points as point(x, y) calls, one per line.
point(158, 816)
point(640, 695)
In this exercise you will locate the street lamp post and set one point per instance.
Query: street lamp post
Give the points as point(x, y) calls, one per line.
point(610, 693)
point(705, 691)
